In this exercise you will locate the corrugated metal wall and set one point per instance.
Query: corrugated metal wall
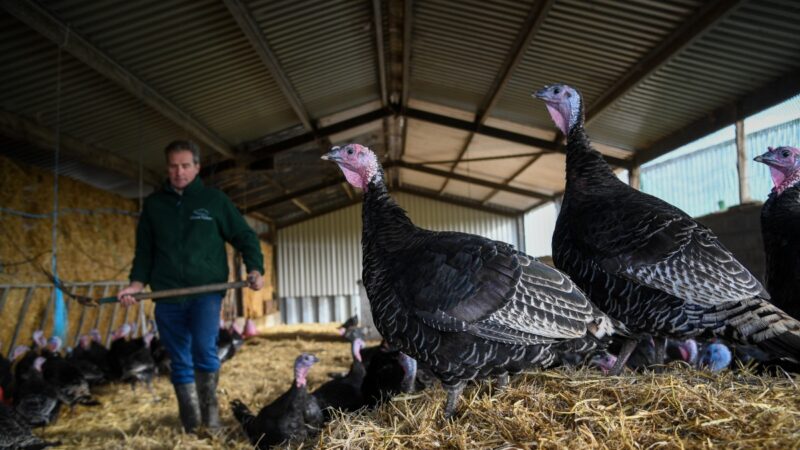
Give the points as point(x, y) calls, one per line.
point(706, 181)
point(539, 226)
point(319, 261)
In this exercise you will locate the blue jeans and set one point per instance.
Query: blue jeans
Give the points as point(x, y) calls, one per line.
point(189, 332)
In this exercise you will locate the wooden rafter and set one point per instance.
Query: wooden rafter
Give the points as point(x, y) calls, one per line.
point(529, 29)
point(52, 28)
point(255, 35)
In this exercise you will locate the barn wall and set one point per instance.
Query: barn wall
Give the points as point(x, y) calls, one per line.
point(96, 235)
point(319, 261)
point(739, 230)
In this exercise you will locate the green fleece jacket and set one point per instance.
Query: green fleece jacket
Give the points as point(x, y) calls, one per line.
point(180, 239)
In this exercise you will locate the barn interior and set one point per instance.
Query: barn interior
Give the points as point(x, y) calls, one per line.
point(91, 92)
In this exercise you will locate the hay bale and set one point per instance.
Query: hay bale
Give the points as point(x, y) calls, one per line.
point(553, 409)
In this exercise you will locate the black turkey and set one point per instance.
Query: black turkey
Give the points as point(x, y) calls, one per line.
point(462, 305)
point(344, 393)
point(130, 359)
point(36, 400)
point(15, 433)
point(347, 327)
point(77, 357)
point(68, 380)
point(780, 222)
point(648, 264)
point(294, 415)
point(390, 372)
point(91, 350)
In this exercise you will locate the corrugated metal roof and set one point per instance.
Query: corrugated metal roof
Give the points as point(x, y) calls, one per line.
point(459, 47)
point(736, 56)
point(590, 47)
point(327, 50)
point(194, 54)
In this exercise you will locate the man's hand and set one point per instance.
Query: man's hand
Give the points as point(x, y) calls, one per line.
point(124, 295)
point(255, 280)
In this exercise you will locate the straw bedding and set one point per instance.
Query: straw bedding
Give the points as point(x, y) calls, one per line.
point(553, 409)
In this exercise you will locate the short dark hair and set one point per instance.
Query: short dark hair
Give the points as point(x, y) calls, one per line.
point(183, 145)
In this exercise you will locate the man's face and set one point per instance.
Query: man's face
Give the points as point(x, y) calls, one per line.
point(181, 168)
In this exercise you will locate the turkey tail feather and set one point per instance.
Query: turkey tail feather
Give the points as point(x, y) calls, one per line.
point(761, 323)
point(241, 412)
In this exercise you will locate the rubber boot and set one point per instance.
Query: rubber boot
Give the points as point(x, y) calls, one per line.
point(207, 393)
point(188, 406)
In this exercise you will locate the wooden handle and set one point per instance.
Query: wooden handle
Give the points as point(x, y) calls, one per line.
point(180, 291)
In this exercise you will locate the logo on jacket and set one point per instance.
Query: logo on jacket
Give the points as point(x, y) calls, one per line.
point(201, 214)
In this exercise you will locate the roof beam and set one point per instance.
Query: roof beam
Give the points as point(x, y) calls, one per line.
point(767, 96)
point(684, 35)
point(472, 180)
point(52, 28)
point(499, 133)
point(292, 195)
point(26, 130)
point(262, 154)
point(408, 11)
point(513, 176)
point(378, 25)
point(255, 35)
point(289, 196)
point(529, 29)
point(472, 204)
point(320, 212)
point(357, 199)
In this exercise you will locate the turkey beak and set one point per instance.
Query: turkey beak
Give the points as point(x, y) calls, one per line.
point(766, 158)
point(332, 155)
point(541, 94)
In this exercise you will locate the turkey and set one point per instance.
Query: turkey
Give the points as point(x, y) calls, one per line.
point(643, 355)
point(715, 357)
point(130, 359)
point(34, 399)
point(64, 376)
point(462, 305)
point(780, 220)
point(348, 325)
point(77, 357)
point(90, 349)
point(344, 393)
point(648, 264)
point(761, 362)
point(390, 372)
point(295, 415)
point(15, 433)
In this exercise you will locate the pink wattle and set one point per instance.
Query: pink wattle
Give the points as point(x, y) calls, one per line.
point(558, 118)
point(777, 176)
point(354, 178)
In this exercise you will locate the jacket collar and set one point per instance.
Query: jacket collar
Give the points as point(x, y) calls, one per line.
point(195, 186)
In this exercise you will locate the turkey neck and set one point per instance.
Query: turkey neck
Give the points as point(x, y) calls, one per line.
point(586, 168)
point(385, 223)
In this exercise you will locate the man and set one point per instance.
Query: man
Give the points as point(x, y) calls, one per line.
point(180, 242)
